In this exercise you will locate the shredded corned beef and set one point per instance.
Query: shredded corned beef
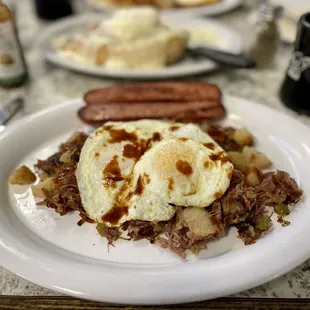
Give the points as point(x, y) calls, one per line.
point(50, 165)
point(277, 188)
point(242, 206)
point(223, 136)
point(64, 196)
point(110, 233)
point(180, 239)
point(138, 230)
point(236, 204)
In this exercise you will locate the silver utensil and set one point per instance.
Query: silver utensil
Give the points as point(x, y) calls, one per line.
point(9, 110)
point(223, 58)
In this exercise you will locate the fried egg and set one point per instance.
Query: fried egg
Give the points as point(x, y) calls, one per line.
point(142, 170)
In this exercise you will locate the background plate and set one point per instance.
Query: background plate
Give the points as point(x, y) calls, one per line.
point(223, 36)
point(208, 10)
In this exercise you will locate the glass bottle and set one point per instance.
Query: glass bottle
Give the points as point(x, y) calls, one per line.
point(13, 71)
point(266, 37)
point(295, 90)
point(53, 9)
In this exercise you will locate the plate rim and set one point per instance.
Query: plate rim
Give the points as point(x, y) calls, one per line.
point(43, 44)
point(206, 11)
point(267, 275)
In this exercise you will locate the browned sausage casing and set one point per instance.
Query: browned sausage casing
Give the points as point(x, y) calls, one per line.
point(155, 92)
point(194, 111)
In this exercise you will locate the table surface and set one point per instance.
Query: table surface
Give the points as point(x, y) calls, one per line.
point(50, 85)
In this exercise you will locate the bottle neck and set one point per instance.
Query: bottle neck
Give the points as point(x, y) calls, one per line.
point(302, 42)
point(269, 13)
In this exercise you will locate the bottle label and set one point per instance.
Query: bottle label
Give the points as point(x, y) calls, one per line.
point(299, 63)
point(11, 63)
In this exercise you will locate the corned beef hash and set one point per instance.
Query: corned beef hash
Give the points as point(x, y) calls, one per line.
point(175, 184)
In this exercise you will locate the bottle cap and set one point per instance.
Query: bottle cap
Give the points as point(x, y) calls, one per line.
point(269, 12)
point(302, 42)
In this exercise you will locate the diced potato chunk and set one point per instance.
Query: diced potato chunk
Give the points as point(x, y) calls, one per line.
point(199, 221)
point(74, 136)
point(253, 176)
point(43, 176)
point(238, 160)
point(179, 218)
point(47, 184)
point(22, 176)
point(255, 158)
point(242, 136)
point(66, 157)
point(251, 194)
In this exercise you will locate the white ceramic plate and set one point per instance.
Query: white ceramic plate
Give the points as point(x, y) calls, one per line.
point(52, 251)
point(212, 9)
point(221, 36)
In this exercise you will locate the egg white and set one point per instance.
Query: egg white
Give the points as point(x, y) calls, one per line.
point(164, 185)
point(190, 2)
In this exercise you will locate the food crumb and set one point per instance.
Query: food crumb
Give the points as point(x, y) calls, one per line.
point(283, 222)
point(22, 176)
